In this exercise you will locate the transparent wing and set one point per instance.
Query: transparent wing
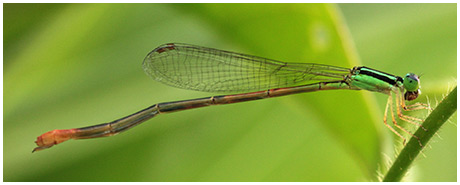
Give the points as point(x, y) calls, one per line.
point(212, 70)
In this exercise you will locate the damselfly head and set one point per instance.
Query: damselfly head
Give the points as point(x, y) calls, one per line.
point(411, 83)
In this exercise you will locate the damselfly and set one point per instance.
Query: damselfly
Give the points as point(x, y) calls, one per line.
point(213, 70)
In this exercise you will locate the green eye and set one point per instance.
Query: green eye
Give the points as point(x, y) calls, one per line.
point(411, 82)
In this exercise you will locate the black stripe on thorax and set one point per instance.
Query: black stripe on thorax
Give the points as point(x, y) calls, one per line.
point(389, 78)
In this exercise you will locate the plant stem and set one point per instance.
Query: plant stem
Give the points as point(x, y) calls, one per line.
point(432, 123)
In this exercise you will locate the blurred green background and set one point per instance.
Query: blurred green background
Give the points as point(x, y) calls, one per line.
point(75, 65)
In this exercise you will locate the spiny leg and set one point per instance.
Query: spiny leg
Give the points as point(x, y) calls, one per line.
point(416, 106)
point(396, 123)
point(401, 103)
point(385, 120)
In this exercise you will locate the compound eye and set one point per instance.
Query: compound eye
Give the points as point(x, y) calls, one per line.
point(411, 82)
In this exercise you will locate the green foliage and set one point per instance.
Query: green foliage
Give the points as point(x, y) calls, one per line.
point(75, 65)
point(432, 124)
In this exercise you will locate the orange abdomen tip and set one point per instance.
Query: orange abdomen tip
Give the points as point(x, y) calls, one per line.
point(53, 137)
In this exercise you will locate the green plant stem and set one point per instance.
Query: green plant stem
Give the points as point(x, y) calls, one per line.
point(432, 123)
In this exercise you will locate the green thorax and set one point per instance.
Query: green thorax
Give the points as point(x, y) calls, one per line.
point(373, 80)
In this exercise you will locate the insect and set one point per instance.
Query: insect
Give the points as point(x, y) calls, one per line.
point(212, 70)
